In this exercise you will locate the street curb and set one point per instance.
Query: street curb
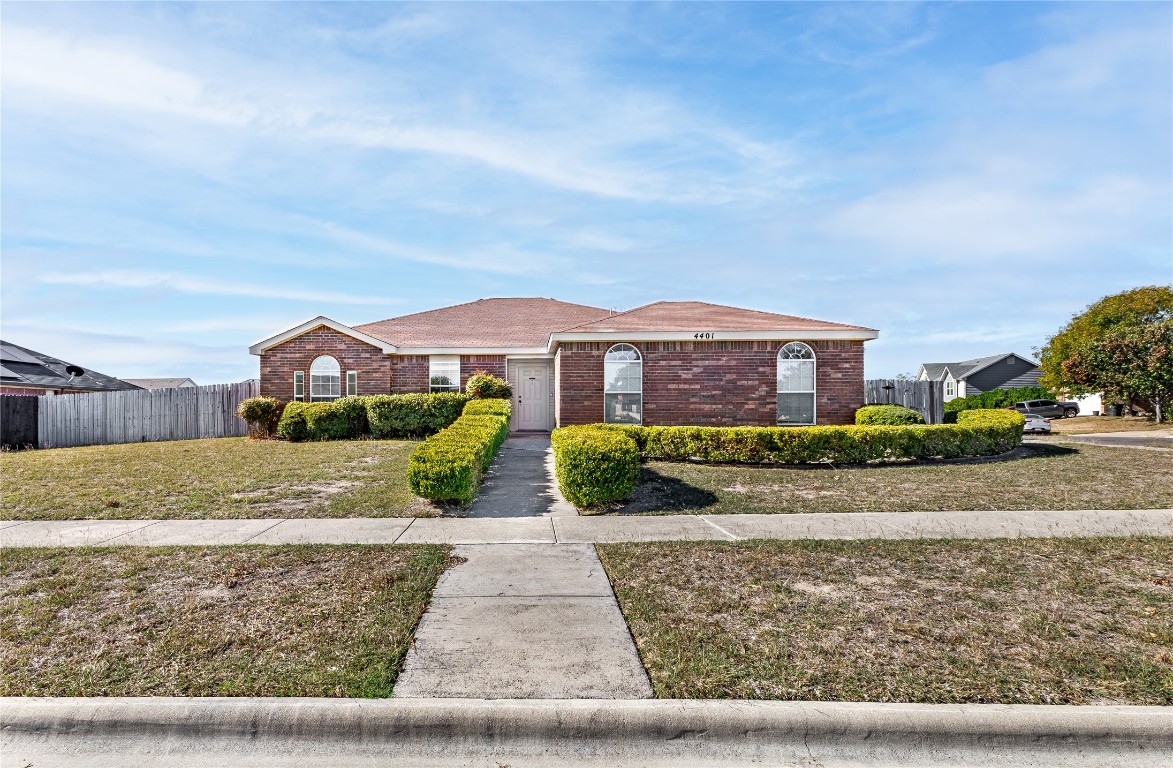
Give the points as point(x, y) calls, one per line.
point(294, 732)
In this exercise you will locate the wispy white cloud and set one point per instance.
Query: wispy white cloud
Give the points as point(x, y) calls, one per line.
point(204, 286)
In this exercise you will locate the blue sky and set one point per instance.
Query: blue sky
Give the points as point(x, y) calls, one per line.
point(179, 181)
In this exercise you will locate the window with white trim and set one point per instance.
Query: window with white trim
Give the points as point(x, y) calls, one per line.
point(325, 379)
point(444, 373)
point(623, 385)
point(351, 383)
point(298, 385)
point(950, 388)
point(796, 384)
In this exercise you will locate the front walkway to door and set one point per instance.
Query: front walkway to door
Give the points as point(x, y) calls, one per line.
point(520, 483)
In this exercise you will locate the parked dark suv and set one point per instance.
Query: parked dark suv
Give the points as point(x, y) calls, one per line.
point(1048, 408)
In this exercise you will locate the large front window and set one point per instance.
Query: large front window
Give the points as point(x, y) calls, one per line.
point(325, 379)
point(796, 384)
point(444, 373)
point(623, 385)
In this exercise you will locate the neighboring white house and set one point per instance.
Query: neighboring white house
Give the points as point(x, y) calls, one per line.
point(982, 374)
point(161, 383)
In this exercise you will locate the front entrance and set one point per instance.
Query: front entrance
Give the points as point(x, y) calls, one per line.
point(531, 396)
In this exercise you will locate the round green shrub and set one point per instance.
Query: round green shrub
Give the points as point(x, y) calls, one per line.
point(887, 415)
point(594, 465)
point(484, 385)
point(262, 415)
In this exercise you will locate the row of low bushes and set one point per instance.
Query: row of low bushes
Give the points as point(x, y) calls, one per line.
point(995, 398)
point(595, 464)
point(887, 415)
point(380, 416)
point(449, 465)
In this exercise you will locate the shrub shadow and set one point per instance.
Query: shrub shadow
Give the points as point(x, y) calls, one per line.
point(655, 492)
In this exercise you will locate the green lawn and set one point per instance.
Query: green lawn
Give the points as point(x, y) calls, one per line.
point(1034, 621)
point(1039, 477)
point(217, 478)
point(211, 621)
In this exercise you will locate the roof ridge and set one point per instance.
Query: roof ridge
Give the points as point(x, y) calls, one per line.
point(613, 314)
point(476, 301)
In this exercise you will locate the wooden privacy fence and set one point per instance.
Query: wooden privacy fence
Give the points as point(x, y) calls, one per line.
point(142, 415)
point(925, 397)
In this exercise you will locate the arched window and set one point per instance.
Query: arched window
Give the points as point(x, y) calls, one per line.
point(623, 385)
point(325, 379)
point(796, 384)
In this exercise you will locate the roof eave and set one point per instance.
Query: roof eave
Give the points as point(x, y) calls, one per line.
point(825, 334)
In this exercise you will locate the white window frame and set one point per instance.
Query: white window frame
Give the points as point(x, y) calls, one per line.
point(316, 395)
point(606, 359)
point(351, 383)
point(950, 388)
point(791, 347)
point(299, 385)
point(442, 365)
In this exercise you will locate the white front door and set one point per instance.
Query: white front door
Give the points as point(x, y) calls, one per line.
point(532, 398)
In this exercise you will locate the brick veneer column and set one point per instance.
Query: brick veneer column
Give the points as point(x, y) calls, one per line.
point(717, 383)
point(278, 363)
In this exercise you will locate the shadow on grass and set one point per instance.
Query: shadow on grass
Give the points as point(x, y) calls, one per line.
point(661, 493)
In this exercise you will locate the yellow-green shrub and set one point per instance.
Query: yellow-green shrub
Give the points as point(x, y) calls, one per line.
point(262, 415)
point(449, 465)
point(594, 465)
point(412, 415)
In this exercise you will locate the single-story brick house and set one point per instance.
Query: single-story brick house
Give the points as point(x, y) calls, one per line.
point(667, 363)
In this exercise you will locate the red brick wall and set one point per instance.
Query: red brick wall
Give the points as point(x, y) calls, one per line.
point(470, 364)
point(409, 373)
point(23, 391)
point(278, 363)
point(720, 383)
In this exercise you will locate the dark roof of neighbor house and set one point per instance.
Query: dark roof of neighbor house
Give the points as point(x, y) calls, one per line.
point(964, 368)
point(20, 366)
point(171, 383)
point(483, 323)
point(702, 316)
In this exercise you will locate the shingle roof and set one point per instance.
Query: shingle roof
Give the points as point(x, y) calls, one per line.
point(160, 383)
point(962, 369)
point(483, 323)
point(702, 316)
point(21, 366)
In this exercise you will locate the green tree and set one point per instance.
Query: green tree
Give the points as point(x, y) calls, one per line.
point(1140, 306)
point(1130, 361)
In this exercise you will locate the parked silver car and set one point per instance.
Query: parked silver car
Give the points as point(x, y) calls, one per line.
point(1036, 424)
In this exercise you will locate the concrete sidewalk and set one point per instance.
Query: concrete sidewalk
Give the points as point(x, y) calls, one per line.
point(586, 530)
point(71, 733)
point(524, 621)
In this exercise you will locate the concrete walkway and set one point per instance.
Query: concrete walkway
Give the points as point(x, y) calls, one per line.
point(524, 621)
point(586, 530)
point(520, 483)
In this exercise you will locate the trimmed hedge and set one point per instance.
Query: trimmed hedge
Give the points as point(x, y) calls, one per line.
point(412, 415)
point(594, 465)
point(487, 408)
point(995, 398)
point(449, 465)
point(890, 415)
point(980, 433)
point(381, 416)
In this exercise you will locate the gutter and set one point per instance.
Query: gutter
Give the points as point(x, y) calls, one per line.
point(409, 732)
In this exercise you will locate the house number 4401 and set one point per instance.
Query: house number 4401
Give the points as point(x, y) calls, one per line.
point(703, 335)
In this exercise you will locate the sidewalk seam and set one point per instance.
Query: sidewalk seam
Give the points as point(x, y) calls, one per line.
point(719, 528)
point(405, 530)
point(127, 533)
point(265, 530)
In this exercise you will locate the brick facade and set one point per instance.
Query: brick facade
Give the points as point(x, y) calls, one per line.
point(717, 383)
point(278, 363)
